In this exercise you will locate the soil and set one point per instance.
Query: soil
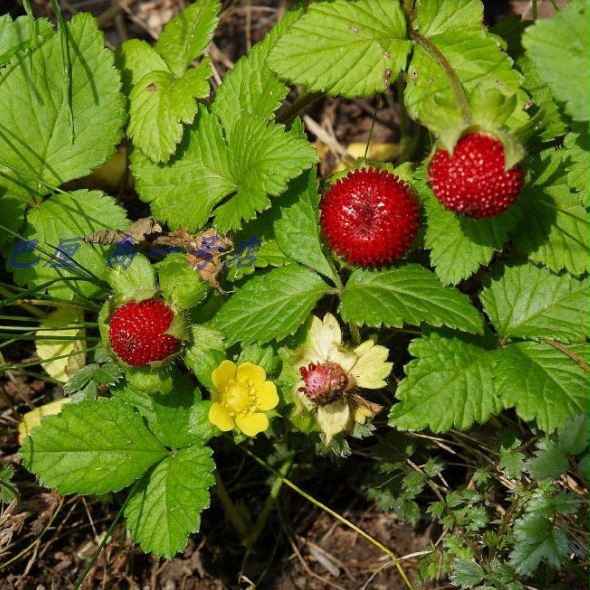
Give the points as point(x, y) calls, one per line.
point(47, 541)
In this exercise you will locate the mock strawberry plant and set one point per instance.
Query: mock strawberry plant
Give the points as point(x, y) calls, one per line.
point(443, 292)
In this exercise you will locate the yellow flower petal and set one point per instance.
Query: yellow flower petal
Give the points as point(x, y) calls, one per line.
point(223, 373)
point(334, 418)
point(266, 396)
point(219, 417)
point(252, 424)
point(251, 372)
point(322, 337)
point(371, 368)
point(345, 358)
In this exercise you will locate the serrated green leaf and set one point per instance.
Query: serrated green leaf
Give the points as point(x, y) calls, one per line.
point(68, 216)
point(6, 491)
point(16, 35)
point(549, 462)
point(511, 462)
point(263, 158)
point(529, 302)
point(185, 190)
point(179, 283)
point(12, 215)
point(450, 384)
point(271, 306)
point(187, 35)
point(559, 48)
point(251, 88)
point(344, 48)
point(438, 16)
point(92, 447)
point(573, 437)
point(38, 148)
point(160, 104)
point(577, 164)
point(542, 382)
point(537, 538)
point(205, 352)
point(410, 294)
point(166, 506)
point(297, 224)
point(459, 245)
point(466, 573)
point(137, 281)
point(170, 417)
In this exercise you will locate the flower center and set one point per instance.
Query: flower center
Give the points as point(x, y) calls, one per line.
point(239, 398)
point(324, 383)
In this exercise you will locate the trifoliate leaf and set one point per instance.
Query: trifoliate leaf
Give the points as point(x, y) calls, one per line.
point(271, 306)
point(251, 88)
point(12, 215)
point(205, 352)
point(160, 104)
point(16, 35)
point(449, 384)
point(559, 49)
point(344, 48)
point(529, 302)
point(184, 191)
point(542, 382)
point(166, 506)
point(135, 59)
point(179, 283)
point(187, 35)
point(577, 161)
point(169, 416)
point(410, 294)
point(92, 447)
point(554, 226)
point(39, 148)
point(297, 224)
point(537, 538)
point(59, 225)
point(263, 158)
point(460, 245)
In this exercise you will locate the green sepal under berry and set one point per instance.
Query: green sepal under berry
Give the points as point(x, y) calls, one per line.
point(137, 281)
point(180, 284)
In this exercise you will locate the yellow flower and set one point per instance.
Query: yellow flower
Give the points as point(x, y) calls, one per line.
point(241, 394)
point(330, 372)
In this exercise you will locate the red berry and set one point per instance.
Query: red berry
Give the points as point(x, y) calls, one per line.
point(370, 217)
point(137, 332)
point(473, 181)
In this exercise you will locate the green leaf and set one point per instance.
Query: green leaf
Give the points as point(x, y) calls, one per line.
point(573, 437)
point(38, 148)
point(511, 462)
point(180, 284)
point(549, 462)
point(160, 104)
point(559, 49)
point(529, 302)
point(554, 226)
point(537, 538)
point(251, 88)
point(410, 294)
point(344, 48)
point(68, 216)
point(170, 417)
point(449, 384)
point(297, 224)
point(166, 506)
point(137, 281)
point(205, 352)
point(438, 16)
point(187, 35)
point(15, 36)
point(270, 306)
point(459, 245)
point(542, 382)
point(577, 164)
point(92, 447)
point(12, 215)
point(466, 573)
point(185, 190)
point(263, 158)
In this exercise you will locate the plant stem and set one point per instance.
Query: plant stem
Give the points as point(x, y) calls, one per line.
point(534, 9)
point(230, 508)
point(435, 53)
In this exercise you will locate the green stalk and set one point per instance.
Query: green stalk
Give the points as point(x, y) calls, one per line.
point(230, 508)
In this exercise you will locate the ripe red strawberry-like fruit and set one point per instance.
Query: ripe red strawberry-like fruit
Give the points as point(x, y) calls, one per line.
point(370, 217)
point(137, 332)
point(473, 181)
